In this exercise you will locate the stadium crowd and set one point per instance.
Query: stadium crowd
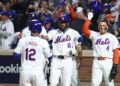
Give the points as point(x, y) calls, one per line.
point(16, 14)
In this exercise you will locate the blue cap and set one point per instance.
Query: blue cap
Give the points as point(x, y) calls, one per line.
point(5, 13)
point(46, 18)
point(35, 26)
point(63, 18)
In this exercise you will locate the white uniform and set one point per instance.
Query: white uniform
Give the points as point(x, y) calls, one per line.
point(27, 32)
point(33, 51)
point(7, 34)
point(63, 45)
point(103, 46)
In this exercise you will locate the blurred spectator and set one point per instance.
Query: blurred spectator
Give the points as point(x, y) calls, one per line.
point(83, 4)
point(1, 6)
point(106, 8)
point(110, 19)
point(114, 9)
point(7, 7)
point(118, 32)
point(96, 6)
point(43, 7)
point(6, 31)
point(66, 8)
point(78, 24)
point(17, 6)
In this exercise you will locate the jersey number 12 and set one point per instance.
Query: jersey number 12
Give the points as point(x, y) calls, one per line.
point(30, 54)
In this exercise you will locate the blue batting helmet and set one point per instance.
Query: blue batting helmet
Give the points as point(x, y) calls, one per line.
point(46, 18)
point(63, 18)
point(5, 13)
point(35, 26)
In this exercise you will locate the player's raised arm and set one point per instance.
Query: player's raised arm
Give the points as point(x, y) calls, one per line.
point(85, 28)
point(86, 25)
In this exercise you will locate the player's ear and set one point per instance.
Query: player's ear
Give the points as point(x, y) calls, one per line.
point(107, 27)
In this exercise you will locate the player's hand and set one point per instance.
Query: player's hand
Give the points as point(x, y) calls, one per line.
point(49, 64)
point(78, 63)
point(90, 15)
point(44, 37)
point(113, 72)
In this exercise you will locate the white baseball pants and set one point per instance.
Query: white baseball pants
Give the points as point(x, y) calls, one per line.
point(32, 78)
point(75, 81)
point(101, 69)
point(61, 69)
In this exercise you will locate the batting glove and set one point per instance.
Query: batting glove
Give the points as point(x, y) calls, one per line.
point(113, 72)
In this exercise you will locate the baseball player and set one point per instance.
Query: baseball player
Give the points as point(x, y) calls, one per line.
point(33, 51)
point(47, 21)
point(6, 31)
point(64, 41)
point(26, 31)
point(105, 52)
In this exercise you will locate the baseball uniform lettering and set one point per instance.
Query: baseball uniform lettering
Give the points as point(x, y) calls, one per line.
point(102, 42)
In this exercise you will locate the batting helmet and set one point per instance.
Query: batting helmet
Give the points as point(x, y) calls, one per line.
point(63, 18)
point(47, 19)
point(35, 26)
point(5, 13)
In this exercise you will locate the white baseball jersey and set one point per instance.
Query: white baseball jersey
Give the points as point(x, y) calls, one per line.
point(7, 34)
point(27, 32)
point(103, 45)
point(63, 42)
point(33, 51)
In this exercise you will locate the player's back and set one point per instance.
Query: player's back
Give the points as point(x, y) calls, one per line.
point(32, 55)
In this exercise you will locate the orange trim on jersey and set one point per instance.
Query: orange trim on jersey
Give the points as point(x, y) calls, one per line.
point(86, 29)
point(116, 56)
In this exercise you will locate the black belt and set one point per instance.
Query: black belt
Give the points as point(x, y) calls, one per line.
point(61, 57)
point(103, 58)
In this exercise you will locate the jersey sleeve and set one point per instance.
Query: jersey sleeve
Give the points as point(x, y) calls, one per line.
point(51, 34)
point(43, 32)
point(115, 43)
point(18, 49)
point(93, 34)
point(46, 49)
point(78, 38)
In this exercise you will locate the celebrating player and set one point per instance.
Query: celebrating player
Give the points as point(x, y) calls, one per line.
point(33, 51)
point(64, 42)
point(105, 52)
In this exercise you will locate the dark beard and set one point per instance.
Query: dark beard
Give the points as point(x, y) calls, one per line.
point(112, 22)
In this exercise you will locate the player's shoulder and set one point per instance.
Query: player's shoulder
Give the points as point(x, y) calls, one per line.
point(53, 30)
point(73, 31)
point(25, 38)
point(26, 28)
point(43, 40)
point(111, 35)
